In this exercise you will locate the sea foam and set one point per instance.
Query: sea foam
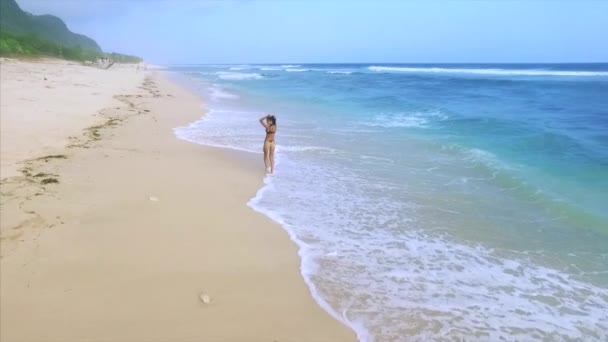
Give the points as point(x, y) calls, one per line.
point(225, 75)
point(498, 72)
point(219, 93)
point(343, 72)
point(414, 119)
point(402, 237)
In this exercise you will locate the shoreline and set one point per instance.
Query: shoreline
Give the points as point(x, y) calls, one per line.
point(138, 227)
point(305, 263)
point(189, 85)
point(406, 216)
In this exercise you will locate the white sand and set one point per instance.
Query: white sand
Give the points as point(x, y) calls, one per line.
point(139, 225)
point(42, 104)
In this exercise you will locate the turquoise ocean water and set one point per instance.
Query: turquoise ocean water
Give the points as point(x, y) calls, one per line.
point(432, 202)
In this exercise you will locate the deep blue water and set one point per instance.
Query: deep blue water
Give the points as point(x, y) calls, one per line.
point(433, 201)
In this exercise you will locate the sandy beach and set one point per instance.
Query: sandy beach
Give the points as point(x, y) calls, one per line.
point(112, 229)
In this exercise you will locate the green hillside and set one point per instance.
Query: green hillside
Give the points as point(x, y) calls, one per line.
point(24, 34)
point(46, 27)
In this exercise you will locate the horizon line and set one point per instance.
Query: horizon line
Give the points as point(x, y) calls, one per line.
point(366, 63)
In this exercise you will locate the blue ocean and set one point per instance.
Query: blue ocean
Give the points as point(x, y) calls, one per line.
point(432, 202)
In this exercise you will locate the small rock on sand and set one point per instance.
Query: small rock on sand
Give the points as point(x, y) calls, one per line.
point(205, 298)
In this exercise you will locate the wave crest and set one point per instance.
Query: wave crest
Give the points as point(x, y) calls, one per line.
point(496, 72)
point(225, 75)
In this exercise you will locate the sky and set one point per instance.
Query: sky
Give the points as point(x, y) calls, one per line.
point(340, 31)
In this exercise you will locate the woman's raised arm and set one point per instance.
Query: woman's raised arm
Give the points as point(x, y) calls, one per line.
point(263, 121)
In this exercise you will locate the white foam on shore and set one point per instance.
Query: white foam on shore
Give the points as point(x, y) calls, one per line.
point(498, 72)
point(307, 265)
point(366, 262)
point(369, 270)
point(218, 128)
point(365, 265)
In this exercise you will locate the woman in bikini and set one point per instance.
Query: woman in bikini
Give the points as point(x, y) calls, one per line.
point(270, 124)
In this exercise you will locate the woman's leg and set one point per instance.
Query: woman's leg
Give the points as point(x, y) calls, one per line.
point(271, 155)
point(266, 155)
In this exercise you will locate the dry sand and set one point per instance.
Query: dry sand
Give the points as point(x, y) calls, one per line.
point(45, 103)
point(139, 225)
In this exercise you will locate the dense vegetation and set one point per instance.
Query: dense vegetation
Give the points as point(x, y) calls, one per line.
point(12, 44)
point(120, 58)
point(30, 45)
point(46, 27)
point(24, 34)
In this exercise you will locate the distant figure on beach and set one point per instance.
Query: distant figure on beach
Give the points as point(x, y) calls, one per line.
point(270, 124)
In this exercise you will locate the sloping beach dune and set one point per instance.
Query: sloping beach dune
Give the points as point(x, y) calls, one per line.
point(114, 230)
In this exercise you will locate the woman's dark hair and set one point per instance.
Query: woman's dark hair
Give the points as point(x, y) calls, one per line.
point(272, 119)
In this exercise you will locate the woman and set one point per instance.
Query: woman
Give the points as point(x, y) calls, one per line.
point(270, 124)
